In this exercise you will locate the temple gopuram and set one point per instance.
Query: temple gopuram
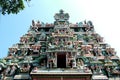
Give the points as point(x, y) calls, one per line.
point(60, 51)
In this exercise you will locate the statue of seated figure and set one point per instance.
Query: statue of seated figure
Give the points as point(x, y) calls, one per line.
point(25, 68)
point(7, 70)
point(70, 45)
point(79, 66)
point(13, 69)
point(51, 46)
point(42, 36)
point(79, 37)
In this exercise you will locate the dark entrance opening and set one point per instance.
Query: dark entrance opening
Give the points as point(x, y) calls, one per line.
point(61, 60)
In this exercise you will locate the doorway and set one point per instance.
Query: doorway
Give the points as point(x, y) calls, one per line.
point(61, 60)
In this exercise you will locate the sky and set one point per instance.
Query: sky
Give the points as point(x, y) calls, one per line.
point(105, 15)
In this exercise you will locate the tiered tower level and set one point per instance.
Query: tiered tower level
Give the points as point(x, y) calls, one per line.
point(60, 48)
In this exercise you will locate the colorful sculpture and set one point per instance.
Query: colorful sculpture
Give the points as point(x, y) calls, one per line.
point(60, 47)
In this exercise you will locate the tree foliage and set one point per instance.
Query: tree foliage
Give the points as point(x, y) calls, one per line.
point(11, 6)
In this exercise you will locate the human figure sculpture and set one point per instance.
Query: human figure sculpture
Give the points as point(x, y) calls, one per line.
point(79, 36)
point(35, 69)
point(7, 70)
point(80, 65)
point(33, 23)
point(70, 45)
point(25, 68)
point(42, 36)
point(13, 69)
point(38, 24)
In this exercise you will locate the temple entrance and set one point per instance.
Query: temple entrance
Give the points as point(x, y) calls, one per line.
point(61, 60)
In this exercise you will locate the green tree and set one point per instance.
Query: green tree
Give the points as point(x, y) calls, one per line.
point(11, 6)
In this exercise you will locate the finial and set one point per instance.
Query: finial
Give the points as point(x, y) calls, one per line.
point(61, 16)
point(61, 11)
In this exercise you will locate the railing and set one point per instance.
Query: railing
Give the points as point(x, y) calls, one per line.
point(62, 50)
point(62, 35)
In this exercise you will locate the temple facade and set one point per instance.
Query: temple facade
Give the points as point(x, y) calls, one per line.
point(60, 51)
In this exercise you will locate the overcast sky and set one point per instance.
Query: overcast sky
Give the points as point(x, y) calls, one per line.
point(105, 15)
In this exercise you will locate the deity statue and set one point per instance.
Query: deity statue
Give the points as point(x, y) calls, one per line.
point(42, 36)
point(38, 24)
point(79, 36)
point(70, 45)
point(13, 69)
point(79, 65)
point(33, 23)
point(7, 70)
point(51, 46)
